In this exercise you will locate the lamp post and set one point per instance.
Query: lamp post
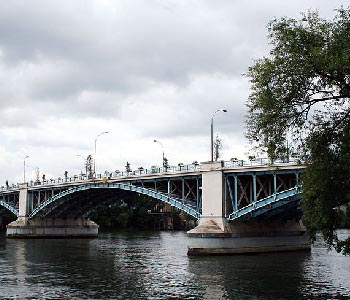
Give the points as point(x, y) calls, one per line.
point(104, 132)
point(212, 132)
point(24, 169)
point(156, 141)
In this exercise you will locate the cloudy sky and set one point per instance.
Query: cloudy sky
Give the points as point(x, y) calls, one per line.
point(139, 69)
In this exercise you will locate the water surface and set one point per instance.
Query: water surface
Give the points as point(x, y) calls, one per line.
point(143, 265)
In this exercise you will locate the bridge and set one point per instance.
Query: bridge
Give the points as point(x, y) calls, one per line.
point(233, 201)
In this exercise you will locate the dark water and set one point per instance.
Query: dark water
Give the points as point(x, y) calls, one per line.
point(155, 266)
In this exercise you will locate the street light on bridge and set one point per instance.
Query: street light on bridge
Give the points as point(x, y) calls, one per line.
point(104, 132)
point(156, 141)
point(212, 132)
point(24, 169)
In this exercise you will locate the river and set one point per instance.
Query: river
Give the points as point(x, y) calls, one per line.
point(154, 265)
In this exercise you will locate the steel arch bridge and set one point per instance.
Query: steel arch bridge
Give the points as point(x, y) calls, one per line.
point(180, 190)
point(250, 191)
point(185, 205)
point(266, 193)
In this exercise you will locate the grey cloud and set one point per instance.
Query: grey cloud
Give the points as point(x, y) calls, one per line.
point(118, 52)
point(146, 69)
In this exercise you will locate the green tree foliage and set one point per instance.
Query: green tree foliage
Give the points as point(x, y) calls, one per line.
point(127, 167)
point(166, 163)
point(133, 212)
point(302, 89)
point(217, 147)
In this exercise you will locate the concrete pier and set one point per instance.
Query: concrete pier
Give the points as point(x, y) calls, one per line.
point(238, 238)
point(214, 236)
point(51, 228)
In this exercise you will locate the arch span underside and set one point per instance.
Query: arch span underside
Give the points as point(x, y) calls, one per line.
point(82, 199)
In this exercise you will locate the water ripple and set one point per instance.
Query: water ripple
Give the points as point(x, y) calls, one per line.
point(154, 265)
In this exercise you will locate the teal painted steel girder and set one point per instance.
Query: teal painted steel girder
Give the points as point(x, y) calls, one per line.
point(127, 187)
point(277, 199)
point(10, 208)
point(165, 178)
point(272, 207)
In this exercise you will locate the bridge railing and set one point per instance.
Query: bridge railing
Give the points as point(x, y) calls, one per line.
point(257, 162)
point(115, 174)
point(233, 163)
point(157, 170)
point(9, 187)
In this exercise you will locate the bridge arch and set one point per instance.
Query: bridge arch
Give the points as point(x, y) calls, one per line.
point(268, 204)
point(173, 201)
point(9, 207)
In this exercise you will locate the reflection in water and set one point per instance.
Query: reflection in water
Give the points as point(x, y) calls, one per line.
point(326, 274)
point(264, 276)
point(155, 266)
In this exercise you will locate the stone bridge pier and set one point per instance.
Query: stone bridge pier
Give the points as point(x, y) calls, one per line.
point(36, 227)
point(214, 235)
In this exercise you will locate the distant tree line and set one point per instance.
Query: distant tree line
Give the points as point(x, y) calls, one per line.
point(138, 212)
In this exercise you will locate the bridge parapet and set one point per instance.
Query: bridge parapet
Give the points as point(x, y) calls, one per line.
point(233, 163)
point(162, 171)
point(9, 188)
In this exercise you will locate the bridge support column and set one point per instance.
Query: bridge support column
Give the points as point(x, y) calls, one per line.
point(22, 204)
point(215, 236)
point(38, 227)
point(212, 195)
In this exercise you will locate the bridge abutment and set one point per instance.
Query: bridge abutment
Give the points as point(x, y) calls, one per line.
point(215, 236)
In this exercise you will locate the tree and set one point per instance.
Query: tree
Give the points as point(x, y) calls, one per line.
point(127, 167)
point(302, 90)
point(217, 147)
point(165, 163)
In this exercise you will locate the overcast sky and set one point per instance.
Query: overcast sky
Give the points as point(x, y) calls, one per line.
point(141, 70)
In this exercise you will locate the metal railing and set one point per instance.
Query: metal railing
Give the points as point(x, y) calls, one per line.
point(258, 162)
point(194, 167)
point(9, 187)
point(115, 174)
